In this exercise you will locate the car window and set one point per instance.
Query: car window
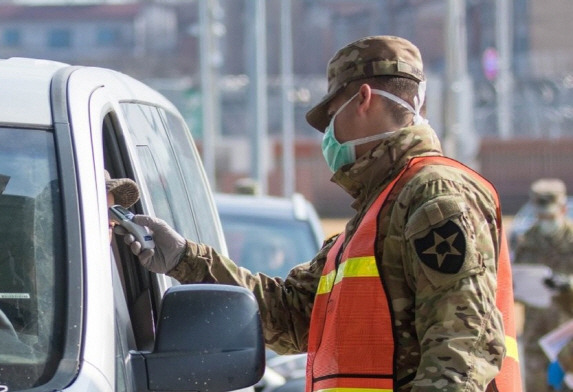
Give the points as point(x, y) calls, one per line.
point(31, 281)
point(120, 370)
point(160, 167)
point(124, 339)
point(195, 181)
point(271, 246)
point(174, 176)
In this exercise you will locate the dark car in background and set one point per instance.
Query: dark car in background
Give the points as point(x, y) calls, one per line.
point(271, 234)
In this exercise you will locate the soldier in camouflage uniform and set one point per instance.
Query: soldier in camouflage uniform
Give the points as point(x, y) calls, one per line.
point(549, 242)
point(436, 248)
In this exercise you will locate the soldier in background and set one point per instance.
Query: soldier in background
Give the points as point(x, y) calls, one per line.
point(415, 295)
point(549, 242)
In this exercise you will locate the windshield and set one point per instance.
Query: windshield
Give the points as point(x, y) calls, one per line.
point(270, 246)
point(30, 222)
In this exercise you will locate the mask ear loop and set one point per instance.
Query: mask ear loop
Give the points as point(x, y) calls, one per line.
point(418, 119)
point(394, 98)
point(418, 102)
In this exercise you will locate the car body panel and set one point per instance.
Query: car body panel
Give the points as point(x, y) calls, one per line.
point(29, 87)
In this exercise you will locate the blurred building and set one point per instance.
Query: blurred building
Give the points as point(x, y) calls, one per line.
point(133, 37)
point(158, 41)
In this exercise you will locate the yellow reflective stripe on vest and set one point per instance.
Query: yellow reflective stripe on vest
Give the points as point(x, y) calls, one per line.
point(511, 348)
point(326, 282)
point(356, 267)
point(354, 390)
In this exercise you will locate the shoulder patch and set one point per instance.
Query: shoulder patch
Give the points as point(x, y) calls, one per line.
point(443, 248)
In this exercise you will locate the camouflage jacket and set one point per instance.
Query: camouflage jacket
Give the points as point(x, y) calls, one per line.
point(556, 252)
point(436, 251)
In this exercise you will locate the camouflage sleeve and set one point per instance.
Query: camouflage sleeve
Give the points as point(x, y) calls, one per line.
point(285, 305)
point(450, 257)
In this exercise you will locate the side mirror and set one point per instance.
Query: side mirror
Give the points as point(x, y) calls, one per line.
point(209, 338)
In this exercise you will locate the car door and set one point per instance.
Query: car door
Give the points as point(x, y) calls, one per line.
point(152, 145)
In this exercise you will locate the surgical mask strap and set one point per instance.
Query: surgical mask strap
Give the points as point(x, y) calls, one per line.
point(369, 139)
point(418, 102)
point(343, 106)
point(395, 98)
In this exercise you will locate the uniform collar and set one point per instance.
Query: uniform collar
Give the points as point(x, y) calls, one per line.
point(375, 169)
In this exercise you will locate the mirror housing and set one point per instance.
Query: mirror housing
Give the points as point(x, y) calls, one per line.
point(209, 338)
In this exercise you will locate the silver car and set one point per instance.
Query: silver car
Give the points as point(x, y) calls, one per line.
point(77, 314)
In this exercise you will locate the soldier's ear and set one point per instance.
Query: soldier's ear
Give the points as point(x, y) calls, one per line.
point(364, 98)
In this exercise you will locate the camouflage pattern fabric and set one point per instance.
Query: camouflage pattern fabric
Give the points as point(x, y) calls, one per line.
point(556, 252)
point(448, 331)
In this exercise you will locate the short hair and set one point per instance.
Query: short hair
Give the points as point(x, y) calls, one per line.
point(402, 87)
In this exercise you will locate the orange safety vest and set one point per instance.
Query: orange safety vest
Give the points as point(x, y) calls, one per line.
point(351, 339)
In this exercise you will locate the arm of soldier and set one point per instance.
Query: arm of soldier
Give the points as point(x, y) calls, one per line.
point(285, 306)
point(452, 250)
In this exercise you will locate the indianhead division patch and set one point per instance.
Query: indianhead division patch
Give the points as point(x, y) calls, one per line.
point(443, 248)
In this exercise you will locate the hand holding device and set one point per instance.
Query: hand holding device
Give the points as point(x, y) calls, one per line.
point(169, 245)
point(124, 218)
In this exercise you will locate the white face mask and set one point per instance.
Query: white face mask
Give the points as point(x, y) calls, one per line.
point(339, 154)
point(549, 226)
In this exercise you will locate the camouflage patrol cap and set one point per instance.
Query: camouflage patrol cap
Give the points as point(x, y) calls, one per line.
point(125, 190)
point(548, 194)
point(369, 56)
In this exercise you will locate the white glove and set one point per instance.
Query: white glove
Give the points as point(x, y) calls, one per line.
point(169, 245)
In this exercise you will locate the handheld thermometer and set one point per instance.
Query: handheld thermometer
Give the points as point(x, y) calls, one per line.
point(124, 218)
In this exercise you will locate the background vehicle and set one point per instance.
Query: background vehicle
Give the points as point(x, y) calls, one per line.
point(75, 316)
point(269, 234)
point(272, 234)
point(524, 219)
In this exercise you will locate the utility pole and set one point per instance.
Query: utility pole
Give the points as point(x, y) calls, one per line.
point(209, 89)
point(288, 129)
point(504, 81)
point(257, 71)
point(459, 136)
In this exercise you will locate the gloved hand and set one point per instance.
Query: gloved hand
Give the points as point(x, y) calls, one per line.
point(169, 245)
point(557, 281)
point(555, 375)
